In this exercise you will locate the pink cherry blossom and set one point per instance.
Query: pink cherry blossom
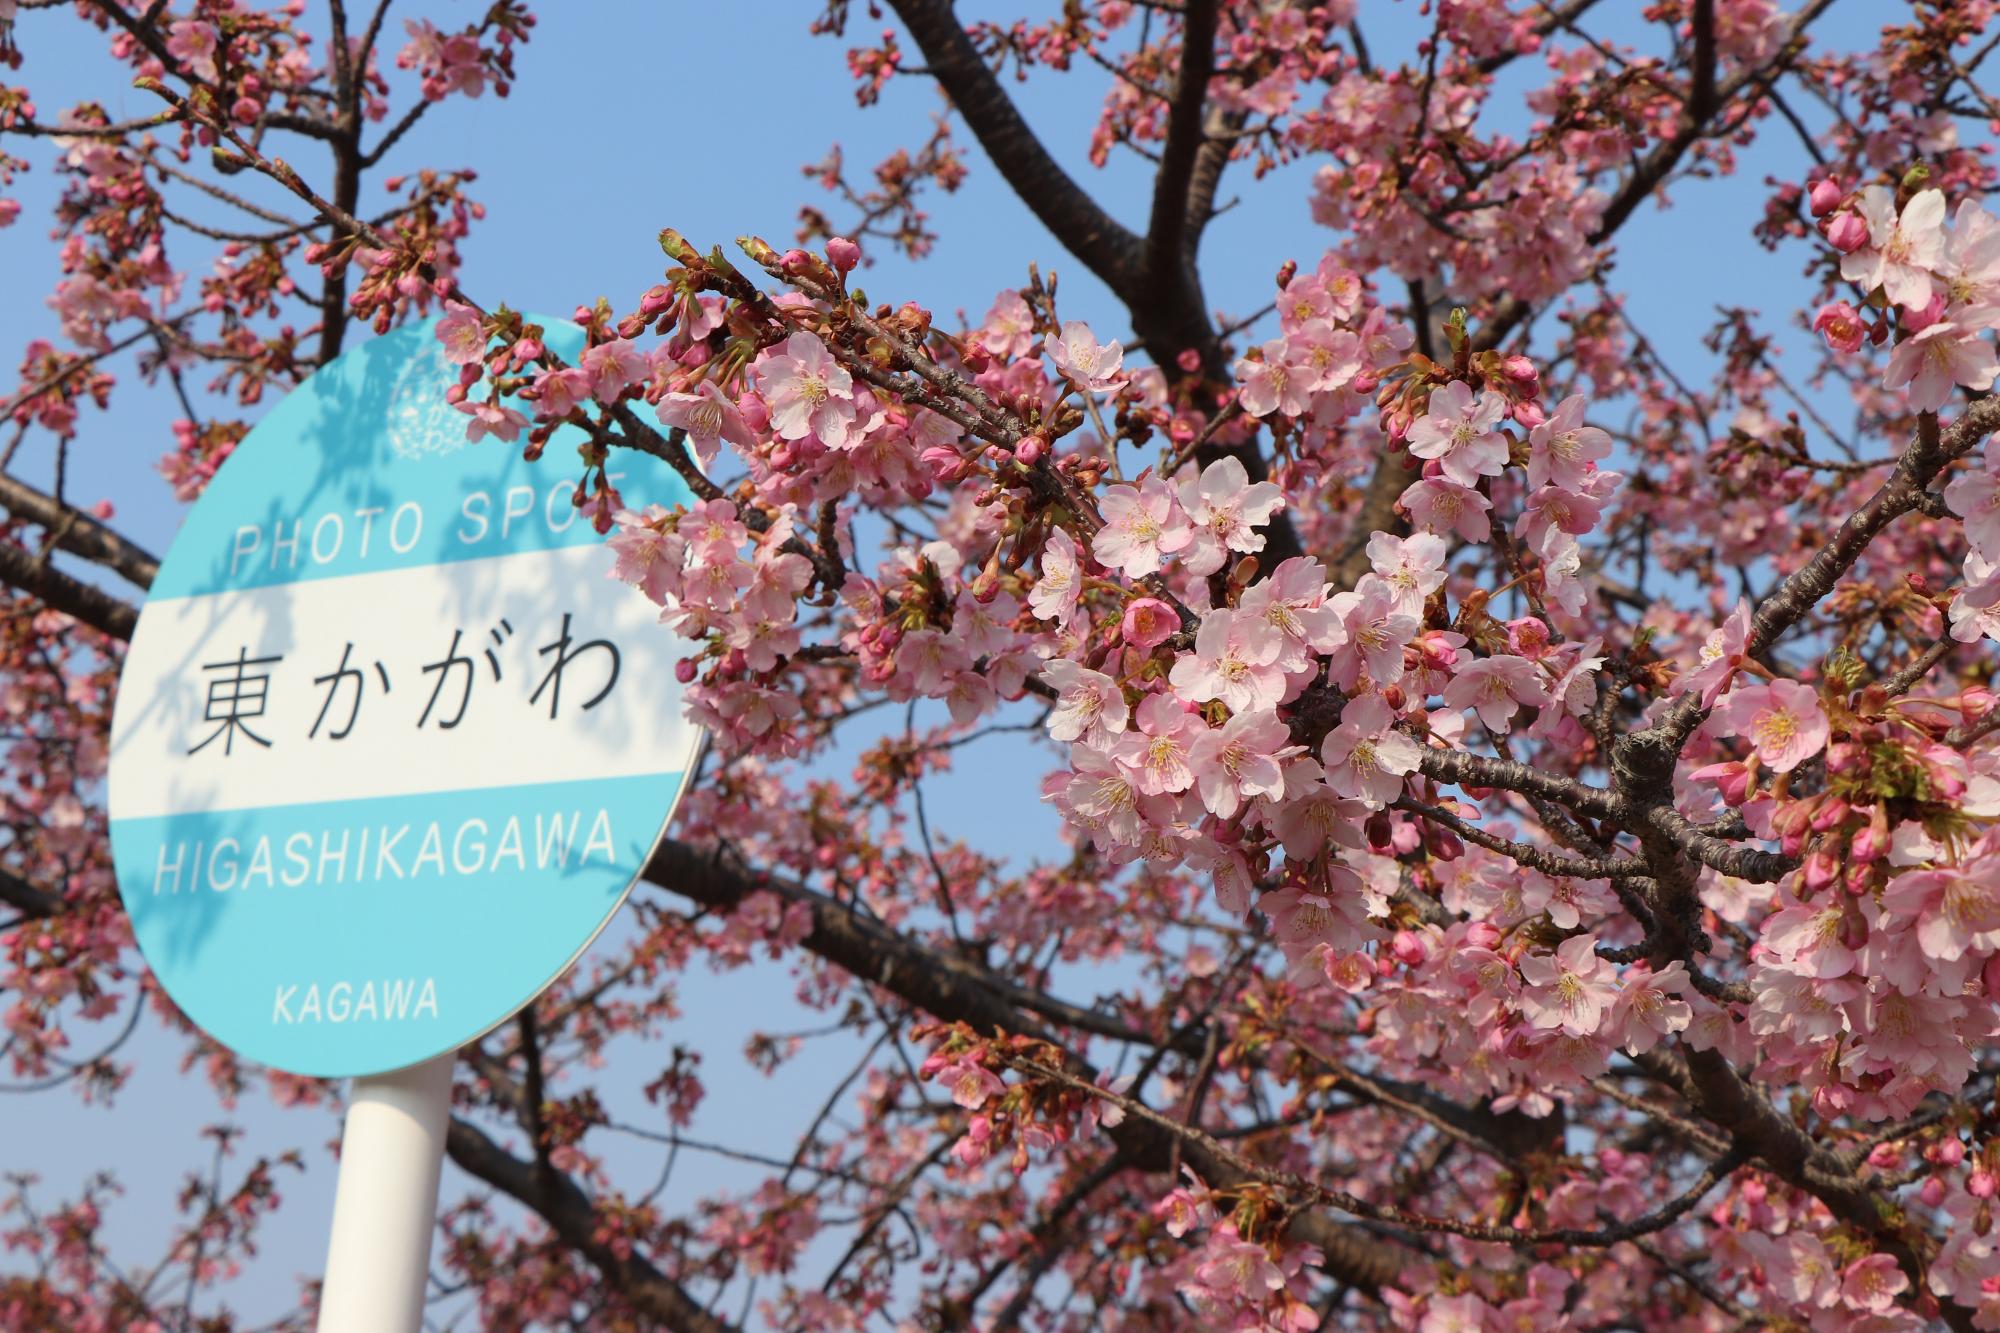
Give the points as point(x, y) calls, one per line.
point(1458, 431)
point(1562, 450)
point(1494, 687)
point(1783, 722)
point(1157, 748)
point(463, 338)
point(1148, 622)
point(1440, 505)
point(1235, 660)
point(1079, 357)
point(611, 366)
point(1143, 525)
point(1226, 510)
point(1939, 358)
point(1952, 910)
point(1292, 601)
point(1841, 325)
point(809, 393)
point(1055, 594)
point(1239, 760)
point(1089, 704)
point(1374, 632)
point(1720, 657)
point(1901, 251)
point(1873, 1283)
point(1365, 757)
point(1570, 989)
point(1009, 327)
point(491, 418)
point(1412, 567)
point(1275, 383)
point(709, 418)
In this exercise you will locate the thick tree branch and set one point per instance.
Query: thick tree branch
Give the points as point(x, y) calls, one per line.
point(1074, 218)
point(20, 568)
point(1167, 231)
point(78, 533)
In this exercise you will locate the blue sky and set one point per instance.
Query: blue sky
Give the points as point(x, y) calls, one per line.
point(700, 117)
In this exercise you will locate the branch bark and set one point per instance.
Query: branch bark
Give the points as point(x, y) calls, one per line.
point(62, 592)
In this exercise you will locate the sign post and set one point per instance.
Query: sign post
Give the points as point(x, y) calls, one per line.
point(378, 1262)
point(390, 749)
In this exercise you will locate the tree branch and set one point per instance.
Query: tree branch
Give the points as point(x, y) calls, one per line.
point(1075, 219)
point(560, 1202)
point(61, 592)
point(1167, 233)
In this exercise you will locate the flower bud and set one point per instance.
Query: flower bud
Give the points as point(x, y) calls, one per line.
point(1825, 196)
point(1030, 449)
point(1871, 844)
point(843, 253)
point(1932, 1192)
point(1529, 413)
point(1847, 233)
point(945, 463)
point(684, 670)
point(1980, 1184)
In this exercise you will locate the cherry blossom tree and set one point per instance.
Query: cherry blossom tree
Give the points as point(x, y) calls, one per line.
point(1531, 849)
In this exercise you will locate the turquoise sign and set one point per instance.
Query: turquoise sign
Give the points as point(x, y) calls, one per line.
point(391, 746)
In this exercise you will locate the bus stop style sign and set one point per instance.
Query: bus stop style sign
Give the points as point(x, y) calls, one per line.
point(390, 746)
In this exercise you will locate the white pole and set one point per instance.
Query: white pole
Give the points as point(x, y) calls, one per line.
point(385, 1205)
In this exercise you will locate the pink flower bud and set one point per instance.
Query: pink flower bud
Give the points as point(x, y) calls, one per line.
point(657, 298)
point(1916, 321)
point(1148, 623)
point(1408, 947)
point(1519, 369)
point(1189, 360)
point(1949, 1152)
point(528, 349)
point(684, 670)
point(946, 463)
point(844, 254)
point(1932, 1192)
point(1530, 413)
point(1871, 844)
point(1847, 233)
point(1030, 449)
point(1820, 870)
point(1980, 1184)
point(1825, 196)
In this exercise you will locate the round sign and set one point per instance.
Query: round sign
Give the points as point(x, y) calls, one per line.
point(391, 746)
